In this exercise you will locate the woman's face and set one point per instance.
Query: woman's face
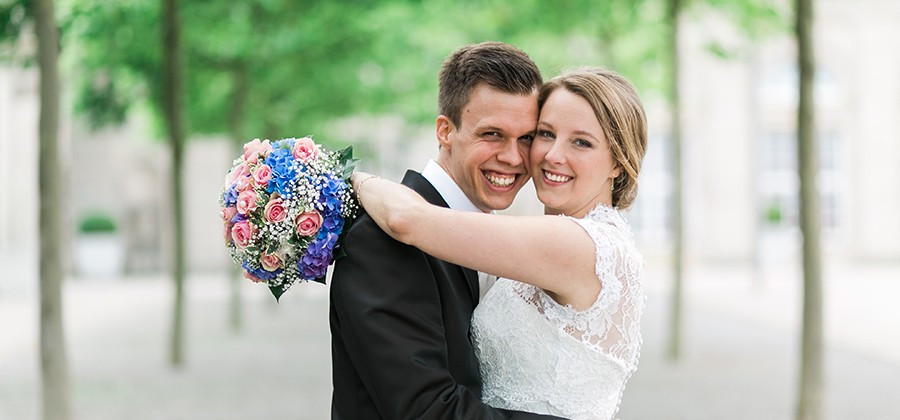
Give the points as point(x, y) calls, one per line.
point(570, 161)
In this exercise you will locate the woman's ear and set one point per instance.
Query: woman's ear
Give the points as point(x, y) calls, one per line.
point(443, 128)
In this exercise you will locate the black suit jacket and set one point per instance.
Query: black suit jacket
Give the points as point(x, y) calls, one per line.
point(400, 323)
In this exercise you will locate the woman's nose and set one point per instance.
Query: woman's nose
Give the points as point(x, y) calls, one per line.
point(555, 154)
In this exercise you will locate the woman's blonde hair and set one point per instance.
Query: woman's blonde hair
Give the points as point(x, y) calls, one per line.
point(619, 110)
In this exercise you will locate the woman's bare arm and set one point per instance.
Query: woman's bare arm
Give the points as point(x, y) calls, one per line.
point(550, 252)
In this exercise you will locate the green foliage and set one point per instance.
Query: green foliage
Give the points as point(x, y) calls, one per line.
point(96, 222)
point(14, 14)
point(773, 214)
point(757, 18)
point(280, 68)
point(117, 49)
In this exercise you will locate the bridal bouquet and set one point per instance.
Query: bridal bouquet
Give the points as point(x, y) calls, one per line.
point(284, 208)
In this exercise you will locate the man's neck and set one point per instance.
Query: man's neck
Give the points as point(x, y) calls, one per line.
point(447, 187)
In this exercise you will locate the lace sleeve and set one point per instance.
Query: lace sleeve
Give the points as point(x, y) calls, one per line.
point(612, 323)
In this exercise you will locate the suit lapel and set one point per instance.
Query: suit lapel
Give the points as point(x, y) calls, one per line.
point(419, 184)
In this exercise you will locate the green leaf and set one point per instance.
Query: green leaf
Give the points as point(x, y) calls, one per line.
point(348, 168)
point(345, 154)
point(277, 291)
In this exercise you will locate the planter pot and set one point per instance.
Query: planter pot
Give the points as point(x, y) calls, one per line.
point(99, 255)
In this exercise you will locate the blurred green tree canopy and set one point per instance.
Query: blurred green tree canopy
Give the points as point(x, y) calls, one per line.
point(277, 68)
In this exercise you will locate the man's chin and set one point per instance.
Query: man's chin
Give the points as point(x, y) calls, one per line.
point(496, 202)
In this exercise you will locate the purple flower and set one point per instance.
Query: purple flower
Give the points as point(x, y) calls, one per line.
point(238, 218)
point(333, 222)
point(231, 195)
point(314, 263)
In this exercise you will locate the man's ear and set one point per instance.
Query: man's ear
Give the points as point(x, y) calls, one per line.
point(443, 128)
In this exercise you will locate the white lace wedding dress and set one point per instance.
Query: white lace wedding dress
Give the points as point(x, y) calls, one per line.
point(539, 356)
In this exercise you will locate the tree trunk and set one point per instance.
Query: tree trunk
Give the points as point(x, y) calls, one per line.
point(809, 404)
point(675, 328)
point(237, 117)
point(54, 366)
point(172, 110)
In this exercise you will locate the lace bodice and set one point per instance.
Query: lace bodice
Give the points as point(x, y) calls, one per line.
point(537, 355)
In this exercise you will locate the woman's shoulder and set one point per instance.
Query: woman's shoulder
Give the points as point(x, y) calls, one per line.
point(607, 227)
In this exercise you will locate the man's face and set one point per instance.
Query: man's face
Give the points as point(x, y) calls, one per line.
point(487, 154)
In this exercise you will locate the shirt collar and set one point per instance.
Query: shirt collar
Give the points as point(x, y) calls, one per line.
point(447, 188)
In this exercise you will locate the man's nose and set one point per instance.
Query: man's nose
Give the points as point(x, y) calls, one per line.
point(510, 153)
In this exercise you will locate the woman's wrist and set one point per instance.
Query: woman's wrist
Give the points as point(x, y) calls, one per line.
point(359, 186)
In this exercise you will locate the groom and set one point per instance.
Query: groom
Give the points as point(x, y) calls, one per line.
point(400, 318)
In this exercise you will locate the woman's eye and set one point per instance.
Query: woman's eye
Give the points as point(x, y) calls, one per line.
point(547, 134)
point(582, 143)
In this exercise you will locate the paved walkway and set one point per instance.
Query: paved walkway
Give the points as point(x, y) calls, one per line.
point(740, 350)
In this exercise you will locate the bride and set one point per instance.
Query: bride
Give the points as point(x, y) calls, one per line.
point(559, 333)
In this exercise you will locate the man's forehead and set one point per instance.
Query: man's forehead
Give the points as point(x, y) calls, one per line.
point(518, 126)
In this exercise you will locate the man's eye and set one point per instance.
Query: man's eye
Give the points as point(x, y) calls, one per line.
point(526, 138)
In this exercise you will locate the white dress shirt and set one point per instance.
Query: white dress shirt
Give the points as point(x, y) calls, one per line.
point(457, 200)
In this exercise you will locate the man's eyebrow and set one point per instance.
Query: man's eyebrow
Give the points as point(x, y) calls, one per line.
point(488, 128)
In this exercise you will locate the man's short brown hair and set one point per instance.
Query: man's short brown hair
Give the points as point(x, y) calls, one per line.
point(501, 66)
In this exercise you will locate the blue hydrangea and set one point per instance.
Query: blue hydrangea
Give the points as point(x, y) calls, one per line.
point(230, 196)
point(330, 195)
point(281, 162)
point(333, 222)
point(261, 273)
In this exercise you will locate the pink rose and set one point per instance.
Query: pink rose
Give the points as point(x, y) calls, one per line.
point(265, 148)
point(226, 233)
point(251, 151)
point(270, 262)
point(254, 148)
point(246, 202)
point(262, 174)
point(308, 223)
point(274, 211)
point(227, 213)
point(304, 149)
point(241, 233)
point(238, 171)
point(252, 277)
point(242, 184)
